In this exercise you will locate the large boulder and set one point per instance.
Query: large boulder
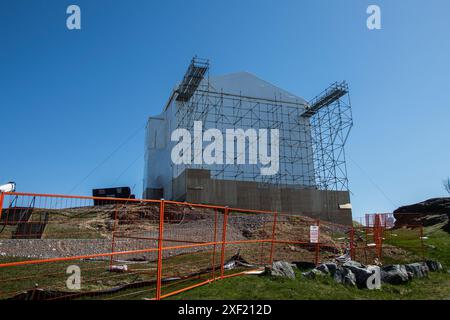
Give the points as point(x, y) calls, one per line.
point(419, 270)
point(344, 276)
point(433, 266)
point(430, 206)
point(323, 268)
point(361, 274)
point(352, 263)
point(282, 269)
point(314, 273)
point(395, 274)
point(332, 267)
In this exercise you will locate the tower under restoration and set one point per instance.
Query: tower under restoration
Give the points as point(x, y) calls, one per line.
point(311, 177)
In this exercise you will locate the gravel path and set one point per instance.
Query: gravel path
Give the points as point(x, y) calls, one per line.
point(190, 226)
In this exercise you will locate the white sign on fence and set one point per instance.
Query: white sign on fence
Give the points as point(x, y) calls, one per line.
point(314, 234)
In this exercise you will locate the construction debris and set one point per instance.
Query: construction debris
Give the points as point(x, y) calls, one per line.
point(118, 268)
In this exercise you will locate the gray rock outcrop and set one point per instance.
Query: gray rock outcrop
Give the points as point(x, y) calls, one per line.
point(433, 265)
point(344, 276)
point(419, 270)
point(281, 269)
point(395, 274)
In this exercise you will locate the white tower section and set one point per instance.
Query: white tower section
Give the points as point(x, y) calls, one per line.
point(239, 100)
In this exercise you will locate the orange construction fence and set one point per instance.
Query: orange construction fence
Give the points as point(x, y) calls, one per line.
point(75, 247)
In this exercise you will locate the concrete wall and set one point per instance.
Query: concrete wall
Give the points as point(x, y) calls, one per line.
point(195, 185)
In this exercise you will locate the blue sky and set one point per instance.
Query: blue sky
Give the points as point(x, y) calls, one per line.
point(73, 104)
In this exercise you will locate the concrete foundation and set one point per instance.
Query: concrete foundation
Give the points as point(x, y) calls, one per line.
point(196, 186)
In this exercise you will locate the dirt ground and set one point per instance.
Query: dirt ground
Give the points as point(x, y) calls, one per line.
point(89, 230)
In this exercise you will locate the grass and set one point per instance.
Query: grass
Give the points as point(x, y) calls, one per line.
point(437, 286)
point(95, 275)
point(436, 246)
point(53, 276)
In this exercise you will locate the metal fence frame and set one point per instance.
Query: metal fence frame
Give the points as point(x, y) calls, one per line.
point(218, 242)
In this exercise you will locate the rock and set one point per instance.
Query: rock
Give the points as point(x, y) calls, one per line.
point(433, 265)
point(314, 273)
point(327, 268)
point(323, 268)
point(345, 277)
point(434, 219)
point(345, 257)
point(282, 269)
point(352, 263)
point(304, 265)
point(431, 206)
point(361, 274)
point(394, 274)
point(419, 270)
point(332, 267)
point(427, 213)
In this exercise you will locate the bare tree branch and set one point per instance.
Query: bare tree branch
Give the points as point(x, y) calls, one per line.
point(447, 185)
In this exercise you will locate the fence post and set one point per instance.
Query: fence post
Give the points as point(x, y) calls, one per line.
point(224, 238)
point(261, 255)
point(318, 243)
point(421, 243)
point(275, 216)
point(113, 244)
point(352, 243)
point(380, 241)
point(1, 203)
point(378, 236)
point(214, 248)
point(160, 245)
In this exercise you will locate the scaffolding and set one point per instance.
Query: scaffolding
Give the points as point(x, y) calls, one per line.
point(331, 121)
point(311, 135)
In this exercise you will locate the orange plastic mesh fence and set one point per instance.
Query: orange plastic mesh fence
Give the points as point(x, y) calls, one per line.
point(57, 247)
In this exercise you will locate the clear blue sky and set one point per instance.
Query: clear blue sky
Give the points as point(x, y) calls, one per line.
point(68, 99)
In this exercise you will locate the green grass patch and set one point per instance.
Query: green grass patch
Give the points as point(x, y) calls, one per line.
point(436, 246)
point(437, 286)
